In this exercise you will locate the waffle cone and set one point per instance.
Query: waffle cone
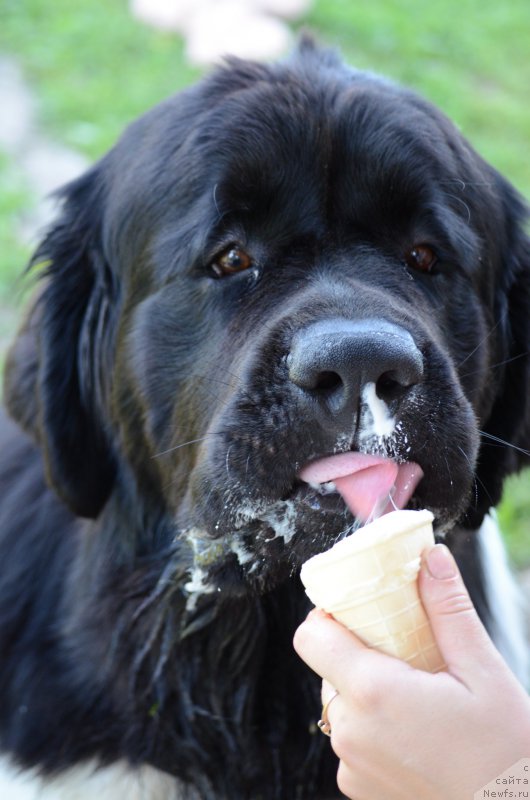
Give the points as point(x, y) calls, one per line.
point(368, 582)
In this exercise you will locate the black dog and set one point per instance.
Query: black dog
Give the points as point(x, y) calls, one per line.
point(260, 268)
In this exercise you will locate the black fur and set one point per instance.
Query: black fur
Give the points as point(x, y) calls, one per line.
point(157, 438)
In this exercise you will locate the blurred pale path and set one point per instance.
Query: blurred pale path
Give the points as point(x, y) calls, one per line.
point(214, 28)
point(43, 164)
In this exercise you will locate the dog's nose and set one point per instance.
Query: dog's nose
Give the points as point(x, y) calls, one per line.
point(333, 361)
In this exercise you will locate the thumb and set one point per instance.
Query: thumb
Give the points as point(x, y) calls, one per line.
point(461, 637)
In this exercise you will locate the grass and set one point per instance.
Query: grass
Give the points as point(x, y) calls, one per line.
point(14, 199)
point(514, 517)
point(94, 68)
point(468, 56)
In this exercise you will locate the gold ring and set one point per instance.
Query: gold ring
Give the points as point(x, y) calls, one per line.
point(324, 723)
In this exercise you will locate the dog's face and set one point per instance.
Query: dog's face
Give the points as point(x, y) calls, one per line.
point(279, 265)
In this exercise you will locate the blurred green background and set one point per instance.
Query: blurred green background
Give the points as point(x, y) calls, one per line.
point(92, 68)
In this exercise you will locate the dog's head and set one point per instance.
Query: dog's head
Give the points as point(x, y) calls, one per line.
point(280, 264)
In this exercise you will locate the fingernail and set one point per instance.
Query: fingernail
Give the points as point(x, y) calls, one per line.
point(441, 563)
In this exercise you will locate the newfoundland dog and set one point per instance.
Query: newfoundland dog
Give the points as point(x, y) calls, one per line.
point(283, 266)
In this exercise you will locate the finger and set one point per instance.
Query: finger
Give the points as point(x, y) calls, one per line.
point(327, 691)
point(336, 654)
point(461, 637)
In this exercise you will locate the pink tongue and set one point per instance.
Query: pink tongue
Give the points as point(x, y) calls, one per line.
point(366, 482)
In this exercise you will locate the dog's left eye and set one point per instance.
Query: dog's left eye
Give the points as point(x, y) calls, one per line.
point(231, 260)
point(422, 258)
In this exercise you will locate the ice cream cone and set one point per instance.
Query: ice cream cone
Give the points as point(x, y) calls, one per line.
point(368, 582)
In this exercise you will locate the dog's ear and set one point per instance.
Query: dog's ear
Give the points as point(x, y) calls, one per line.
point(505, 438)
point(56, 368)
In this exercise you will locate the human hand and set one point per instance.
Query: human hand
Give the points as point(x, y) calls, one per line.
point(400, 732)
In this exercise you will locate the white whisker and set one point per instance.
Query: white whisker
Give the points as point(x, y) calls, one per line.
point(504, 443)
point(499, 364)
point(184, 444)
point(484, 339)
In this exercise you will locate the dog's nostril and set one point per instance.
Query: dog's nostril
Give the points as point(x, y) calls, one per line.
point(327, 381)
point(389, 387)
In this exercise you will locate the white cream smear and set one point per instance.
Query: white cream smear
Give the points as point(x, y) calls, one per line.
point(382, 424)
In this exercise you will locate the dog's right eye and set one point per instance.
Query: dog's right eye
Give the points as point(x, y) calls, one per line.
point(233, 259)
point(422, 258)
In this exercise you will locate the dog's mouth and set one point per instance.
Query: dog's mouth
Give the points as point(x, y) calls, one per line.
point(331, 497)
point(370, 485)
